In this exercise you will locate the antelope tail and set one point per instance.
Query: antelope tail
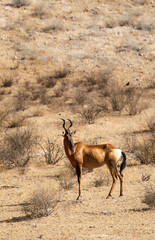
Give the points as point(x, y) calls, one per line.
point(123, 164)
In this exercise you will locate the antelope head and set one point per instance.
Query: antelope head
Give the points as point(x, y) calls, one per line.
point(68, 134)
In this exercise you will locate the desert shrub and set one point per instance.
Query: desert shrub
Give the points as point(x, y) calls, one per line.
point(20, 100)
point(80, 97)
point(58, 91)
point(144, 150)
point(20, 3)
point(151, 84)
point(43, 97)
point(89, 114)
point(37, 113)
point(62, 71)
point(47, 81)
point(91, 78)
point(98, 79)
point(134, 45)
point(121, 98)
point(134, 104)
point(125, 20)
point(40, 9)
point(112, 23)
point(3, 116)
point(16, 148)
point(40, 204)
point(145, 25)
point(7, 82)
point(149, 198)
point(150, 125)
point(102, 181)
point(52, 151)
point(117, 97)
point(14, 122)
point(53, 26)
point(66, 178)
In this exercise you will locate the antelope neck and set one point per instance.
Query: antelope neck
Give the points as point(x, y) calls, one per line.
point(69, 144)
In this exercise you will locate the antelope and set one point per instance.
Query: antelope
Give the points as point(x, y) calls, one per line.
point(82, 155)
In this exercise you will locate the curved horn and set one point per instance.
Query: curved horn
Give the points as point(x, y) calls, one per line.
point(70, 123)
point(64, 124)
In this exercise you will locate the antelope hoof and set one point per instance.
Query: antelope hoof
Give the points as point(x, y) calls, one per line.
point(78, 198)
point(121, 195)
point(109, 196)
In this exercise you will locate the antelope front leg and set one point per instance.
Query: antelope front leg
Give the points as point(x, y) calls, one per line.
point(79, 175)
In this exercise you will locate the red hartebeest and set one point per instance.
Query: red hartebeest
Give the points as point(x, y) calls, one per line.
point(93, 156)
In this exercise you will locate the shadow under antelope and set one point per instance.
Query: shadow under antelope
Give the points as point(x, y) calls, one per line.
point(93, 156)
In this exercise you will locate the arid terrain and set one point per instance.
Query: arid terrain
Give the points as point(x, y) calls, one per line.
point(92, 62)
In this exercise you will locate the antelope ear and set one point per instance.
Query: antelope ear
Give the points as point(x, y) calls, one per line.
point(73, 132)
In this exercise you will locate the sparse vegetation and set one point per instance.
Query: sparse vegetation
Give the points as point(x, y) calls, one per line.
point(53, 26)
point(89, 114)
point(98, 79)
point(149, 198)
point(15, 122)
point(16, 148)
point(59, 58)
point(145, 25)
point(102, 181)
point(135, 104)
point(7, 82)
point(117, 98)
point(66, 179)
point(62, 71)
point(40, 9)
point(20, 3)
point(80, 97)
point(40, 204)
point(58, 92)
point(134, 45)
point(43, 96)
point(144, 150)
point(47, 81)
point(20, 101)
point(52, 151)
point(150, 125)
point(3, 116)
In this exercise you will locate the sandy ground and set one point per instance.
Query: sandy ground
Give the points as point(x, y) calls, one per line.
point(84, 36)
point(92, 217)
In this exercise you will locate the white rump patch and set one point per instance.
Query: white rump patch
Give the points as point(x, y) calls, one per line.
point(117, 153)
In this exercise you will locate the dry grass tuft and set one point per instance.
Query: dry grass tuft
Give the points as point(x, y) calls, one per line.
point(47, 81)
point(16, 148)
point(66, 177)
point(14, 121)
point(52, 151)
point(135, 104)
point(102, 181)
point(7, 82)
point(40, 204)
point(40, 9)
point(53, 25)
point(20, 3)
point(149, 198)
point(89, 115)
point(144, 150)
point(20, 100)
